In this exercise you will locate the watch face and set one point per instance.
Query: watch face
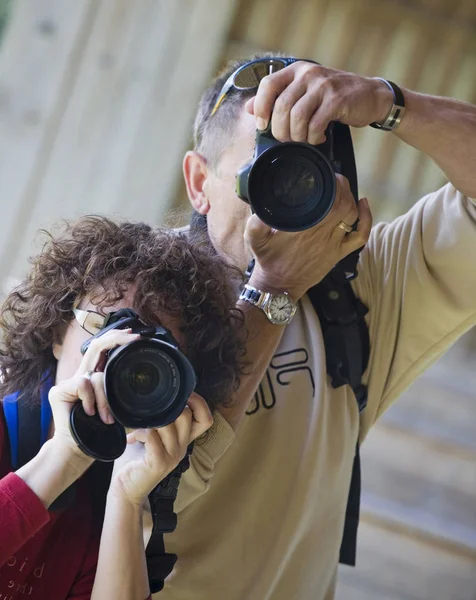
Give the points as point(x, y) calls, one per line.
point(280, 308)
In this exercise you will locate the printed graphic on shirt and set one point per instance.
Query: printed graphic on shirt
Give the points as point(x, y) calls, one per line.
point(282, 370)
point(14, 584)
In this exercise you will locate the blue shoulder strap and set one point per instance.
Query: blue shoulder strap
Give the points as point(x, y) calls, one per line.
point(27, 424)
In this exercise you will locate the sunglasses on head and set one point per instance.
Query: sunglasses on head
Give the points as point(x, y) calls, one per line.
point(249, 76)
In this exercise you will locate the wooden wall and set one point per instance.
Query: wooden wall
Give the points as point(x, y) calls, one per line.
point(96, 102)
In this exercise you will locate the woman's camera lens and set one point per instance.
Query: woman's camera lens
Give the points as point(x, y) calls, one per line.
point(147, 383)
point(143, 379)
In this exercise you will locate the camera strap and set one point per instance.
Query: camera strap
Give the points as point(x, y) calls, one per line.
point(160, 563)
point(346, 340)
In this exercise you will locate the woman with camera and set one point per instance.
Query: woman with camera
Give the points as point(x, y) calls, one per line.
point(92, 546)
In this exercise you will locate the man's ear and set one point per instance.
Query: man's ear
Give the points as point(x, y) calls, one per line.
point(195, 172)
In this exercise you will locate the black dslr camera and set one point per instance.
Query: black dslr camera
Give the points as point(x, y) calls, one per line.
point(291, 186)
point(147, 384)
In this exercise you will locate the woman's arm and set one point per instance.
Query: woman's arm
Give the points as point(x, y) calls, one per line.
point(53, 470)
point(122, 569)
point(26, 495)
point(150, 456)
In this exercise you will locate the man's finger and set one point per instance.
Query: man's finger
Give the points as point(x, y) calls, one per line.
point(250, 106)
point(269, 89)
point(257, 233)
point(318, 123)
point(359, 238)
point(284, 107)
point(300, 117)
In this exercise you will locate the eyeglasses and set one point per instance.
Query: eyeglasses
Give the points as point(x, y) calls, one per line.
point(249, 76)
point(90, 321)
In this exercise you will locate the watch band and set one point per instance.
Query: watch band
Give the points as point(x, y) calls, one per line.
point(252, 295)
point(394, 117)
point(280, 314)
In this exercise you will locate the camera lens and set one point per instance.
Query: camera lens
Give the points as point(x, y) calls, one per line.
point(293, 182)
point(146, 383)
point(291, 186)
point(143, 379)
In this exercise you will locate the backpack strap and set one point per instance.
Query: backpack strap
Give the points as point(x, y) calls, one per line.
point(159, 563)
point(28, 425)
point(346, 341)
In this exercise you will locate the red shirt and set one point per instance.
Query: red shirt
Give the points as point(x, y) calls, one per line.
point(44, 555)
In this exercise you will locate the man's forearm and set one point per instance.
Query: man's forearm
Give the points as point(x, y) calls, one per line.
point(263, 340)
point(122, 571)
point(445, 130)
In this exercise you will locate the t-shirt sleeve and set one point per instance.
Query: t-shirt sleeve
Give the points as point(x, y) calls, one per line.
point(418, 278)
point(206, 452)
point(22, 513)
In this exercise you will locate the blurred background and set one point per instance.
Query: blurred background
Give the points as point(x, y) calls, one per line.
point(97, 98)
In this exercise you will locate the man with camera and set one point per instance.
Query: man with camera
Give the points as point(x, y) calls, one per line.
point(271, 522)
point(115, 326)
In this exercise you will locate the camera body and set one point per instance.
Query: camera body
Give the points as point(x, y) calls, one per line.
point(291, 186)
point(147, 384)
point(148, 381)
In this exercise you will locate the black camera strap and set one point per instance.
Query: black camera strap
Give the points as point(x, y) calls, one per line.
point(160, 563)
point(346, 340)
point(343, 160)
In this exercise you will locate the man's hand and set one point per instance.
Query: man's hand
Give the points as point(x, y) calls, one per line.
point(294, 262)
point(304, 97)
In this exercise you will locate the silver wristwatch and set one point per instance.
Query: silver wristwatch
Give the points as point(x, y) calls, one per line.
point(279, 308)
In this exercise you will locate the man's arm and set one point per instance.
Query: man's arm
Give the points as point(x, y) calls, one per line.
point(442, 128)
point(418, 279)
point(445, 130)
point(284, 263)
point(263, 340)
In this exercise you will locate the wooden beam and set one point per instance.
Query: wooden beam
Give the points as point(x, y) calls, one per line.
point(39, 55)
point(120, 93)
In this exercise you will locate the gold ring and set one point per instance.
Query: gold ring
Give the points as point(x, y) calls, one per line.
point(345, 227)
point(88, 375)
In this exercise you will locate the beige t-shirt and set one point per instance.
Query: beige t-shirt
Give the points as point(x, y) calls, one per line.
point(270, 524)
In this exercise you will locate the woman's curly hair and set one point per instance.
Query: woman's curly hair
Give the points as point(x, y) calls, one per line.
point(172, 272)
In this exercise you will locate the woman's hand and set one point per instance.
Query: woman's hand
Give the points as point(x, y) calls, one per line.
point(152, 454)
point(86, 386)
